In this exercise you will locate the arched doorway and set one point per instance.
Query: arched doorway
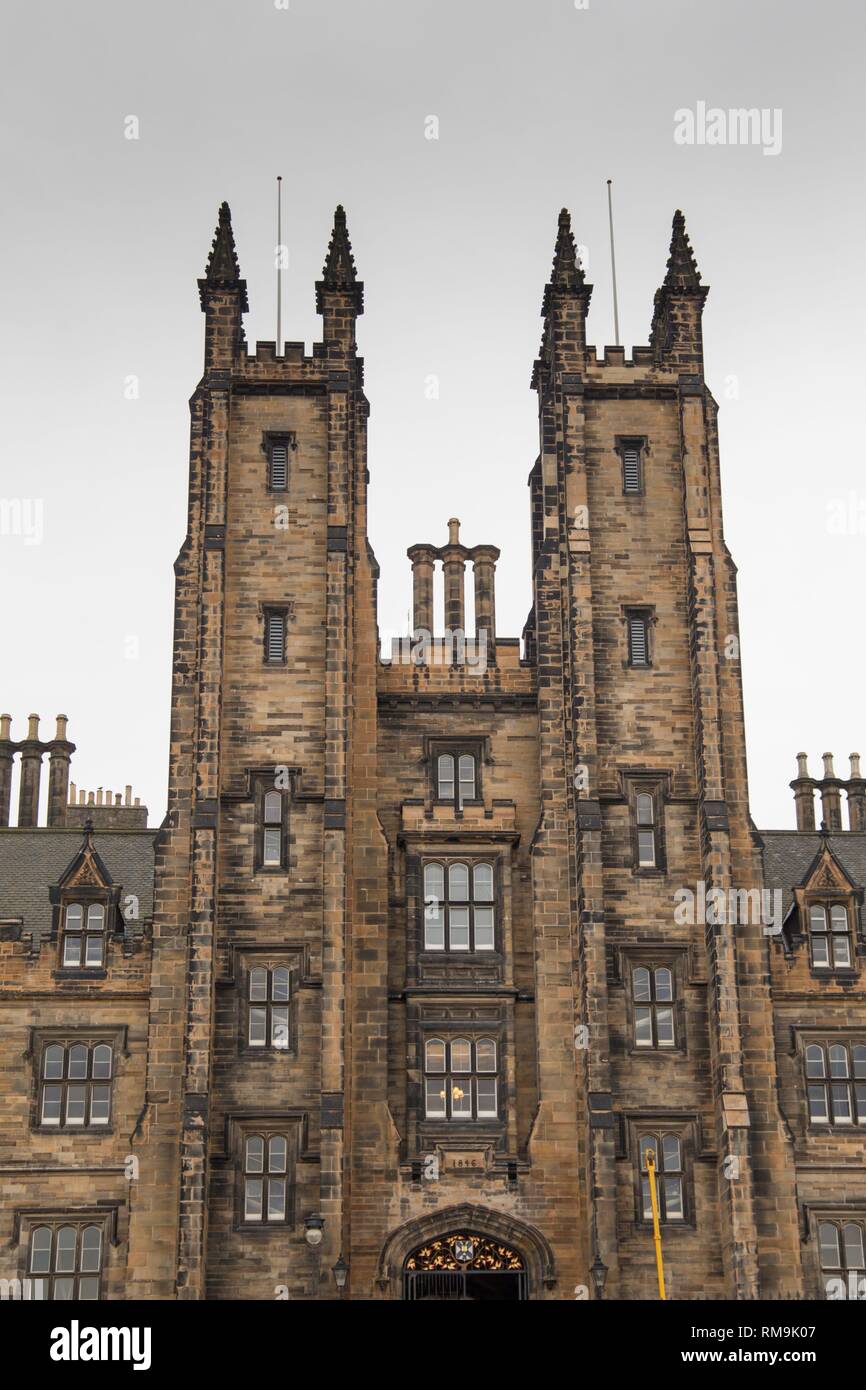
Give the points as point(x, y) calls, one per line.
point(465, 1266)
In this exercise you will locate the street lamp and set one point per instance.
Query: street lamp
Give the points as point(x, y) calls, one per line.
point(340, 1272)
point(598, 1271)
point(314, 1229)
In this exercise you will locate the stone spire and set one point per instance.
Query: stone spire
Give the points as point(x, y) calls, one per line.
point(223, 271)
point(564, 308)
point(676, 333)
point(338, 273)
point(682, 275)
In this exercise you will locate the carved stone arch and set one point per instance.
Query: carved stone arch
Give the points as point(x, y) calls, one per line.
point(530, 1243)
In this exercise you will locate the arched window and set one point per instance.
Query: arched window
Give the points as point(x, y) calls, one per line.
point(456, 776)
point(460, 1078)
point(65, 1262)
point(836, 1083)
point(459, 916)
point(466, 767)
point(830, 936)
point(272, 837)
point(668, 1155)
point(268, 1024)
point(445, 788)
point(265, 1179)
point(842, 1254)
point(75, 1085)
point(653, 1001)
point(645, 816)
point(83, 937)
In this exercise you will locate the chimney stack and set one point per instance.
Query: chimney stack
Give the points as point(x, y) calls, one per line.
point(803, 787)
point(31, 774)
point(423, 559)
point(831, 795)
point(856, 790)
point(59, 754)
point(7, 753)
point(484, 559)
point(453, 564)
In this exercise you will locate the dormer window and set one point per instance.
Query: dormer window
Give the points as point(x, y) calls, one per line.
point(830, 936)
point(83, 937)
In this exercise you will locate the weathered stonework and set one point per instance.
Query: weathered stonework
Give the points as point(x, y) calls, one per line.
point(569, 741)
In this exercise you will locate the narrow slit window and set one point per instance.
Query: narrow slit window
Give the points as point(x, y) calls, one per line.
point(278, 466)
point(638, 639)
point(272, 830)
point(632, 479)
point(275, 636)
point(645, 817)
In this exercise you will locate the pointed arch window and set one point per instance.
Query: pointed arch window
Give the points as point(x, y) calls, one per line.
point(83, 936)
point(836, 1083)
point(830, 936)
point(266, 1179)
point(269, 1003)
point(75, 1084)
point(670, 1176)
point(459, 906)
point(65, 1262)
point(272, 818)
point(460, 1078)
point(653, 1002)
point(456, 774)
point(842, 1252)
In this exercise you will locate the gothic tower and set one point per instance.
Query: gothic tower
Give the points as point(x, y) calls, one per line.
point(246, 1029)
point(644, 790)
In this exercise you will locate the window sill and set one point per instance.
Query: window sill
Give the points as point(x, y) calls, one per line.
point(74, 973)
point(88, 1130)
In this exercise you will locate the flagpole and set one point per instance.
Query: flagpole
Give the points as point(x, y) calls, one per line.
point(613, 267)
point(279, 263)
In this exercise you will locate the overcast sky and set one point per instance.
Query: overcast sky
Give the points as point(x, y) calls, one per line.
point(538, 102)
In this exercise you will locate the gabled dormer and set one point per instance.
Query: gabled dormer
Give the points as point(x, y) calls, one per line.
point(825, 914)
point(86, 913)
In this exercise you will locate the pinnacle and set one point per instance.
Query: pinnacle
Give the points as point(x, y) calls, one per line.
point(338, 272)
point(567, 271)
point(223, 261)
point(222, 269)
point(682, 271)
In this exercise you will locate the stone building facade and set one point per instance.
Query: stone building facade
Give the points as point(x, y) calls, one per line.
point(434, 945)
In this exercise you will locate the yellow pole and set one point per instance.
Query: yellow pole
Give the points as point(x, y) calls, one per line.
point(657, 1235)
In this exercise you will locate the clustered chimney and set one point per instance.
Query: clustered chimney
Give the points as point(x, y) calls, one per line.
point(31, 750)
point(453, 557)
point(831, 787)
point(106, 809)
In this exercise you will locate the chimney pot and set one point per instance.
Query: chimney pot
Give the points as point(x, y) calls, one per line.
point(5, 726)
point(128, 795)
point(32, 726)
point(802, 765)
point(854, 759)
point(828, 764)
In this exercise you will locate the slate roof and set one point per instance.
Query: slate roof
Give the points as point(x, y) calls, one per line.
point(32, 860)
point(788, 854)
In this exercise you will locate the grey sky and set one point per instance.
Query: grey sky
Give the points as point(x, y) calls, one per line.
point(538, 103)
